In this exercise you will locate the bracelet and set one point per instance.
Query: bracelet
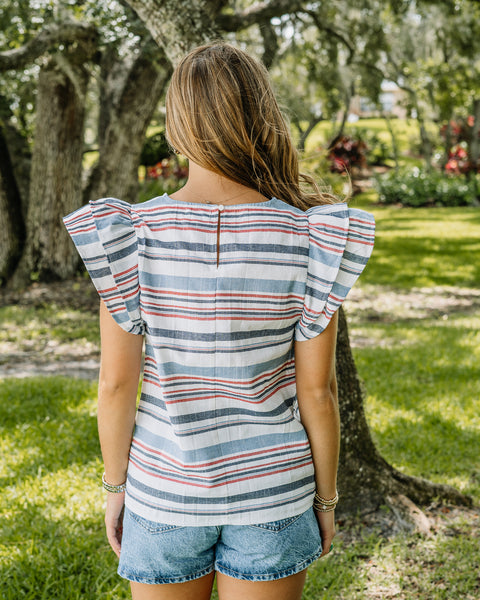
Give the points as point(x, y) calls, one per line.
point(318, 509)
point(323, 505)
point(114, 489)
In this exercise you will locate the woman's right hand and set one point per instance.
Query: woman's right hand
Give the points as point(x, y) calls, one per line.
point(326, 523)
point(114, 520)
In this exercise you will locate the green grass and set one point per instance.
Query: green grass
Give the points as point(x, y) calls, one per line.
point(27, 326)
point(416, 247)
point(52, 543)
point(423, 389)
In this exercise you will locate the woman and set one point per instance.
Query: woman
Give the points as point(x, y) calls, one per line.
point(233, 282)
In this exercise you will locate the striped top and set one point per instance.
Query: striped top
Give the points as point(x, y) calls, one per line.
point(220, 293)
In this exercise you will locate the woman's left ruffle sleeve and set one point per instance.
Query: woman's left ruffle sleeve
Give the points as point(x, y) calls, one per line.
point(341, 242)
point(105, 237)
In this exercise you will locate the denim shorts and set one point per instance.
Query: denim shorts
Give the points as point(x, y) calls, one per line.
point(156, 553)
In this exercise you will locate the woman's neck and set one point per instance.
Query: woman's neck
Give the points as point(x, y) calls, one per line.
point(205, 186)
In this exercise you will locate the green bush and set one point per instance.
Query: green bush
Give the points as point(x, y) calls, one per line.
point(378, 150)
point(421, 188)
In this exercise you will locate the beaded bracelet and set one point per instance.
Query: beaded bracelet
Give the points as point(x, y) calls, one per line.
point(323, 505)
point(115, 489)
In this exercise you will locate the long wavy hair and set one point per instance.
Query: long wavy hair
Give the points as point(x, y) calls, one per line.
point(222, 114)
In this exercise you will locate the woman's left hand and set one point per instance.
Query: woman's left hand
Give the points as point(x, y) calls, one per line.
point(114, 520)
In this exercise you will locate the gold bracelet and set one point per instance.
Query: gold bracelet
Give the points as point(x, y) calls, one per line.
point(114, 489)
point(318, 509)
point(323, 505)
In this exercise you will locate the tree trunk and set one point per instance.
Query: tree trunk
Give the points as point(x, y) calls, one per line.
point(448, 144)
point(12, 229)
point(129, 95)
point(393, 137)
point(474, 141)
point(56, 176)
point(314, 121)
point(341, 129)
point(178, 25)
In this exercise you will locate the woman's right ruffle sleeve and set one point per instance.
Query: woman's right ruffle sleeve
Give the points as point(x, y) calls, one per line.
point(105, 237)
point(341, 242)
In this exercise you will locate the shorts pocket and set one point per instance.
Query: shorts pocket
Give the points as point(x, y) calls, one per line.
point(153, 527)
point(276, 526)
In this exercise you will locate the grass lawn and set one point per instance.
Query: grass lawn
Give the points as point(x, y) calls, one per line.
point(417, 247)
point(421, 377)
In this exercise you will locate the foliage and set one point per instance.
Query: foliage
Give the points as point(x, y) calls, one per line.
point(346, 154)
point(167, 176)
point(378, 151)
point(155, 149)
point(317, 165)
point(458, 162)
point(423, 188)
point(458, 135)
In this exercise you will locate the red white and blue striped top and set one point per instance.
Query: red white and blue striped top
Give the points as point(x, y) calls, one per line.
point(220, 294)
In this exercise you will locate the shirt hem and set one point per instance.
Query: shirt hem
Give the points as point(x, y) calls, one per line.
point(247, 517)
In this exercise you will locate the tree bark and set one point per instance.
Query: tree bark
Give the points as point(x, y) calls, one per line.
point(56, 175)
point(304, 133)
point(474, 142)
point(12, 229)
point(393, 137)
point(129, 95)
point(178, 25)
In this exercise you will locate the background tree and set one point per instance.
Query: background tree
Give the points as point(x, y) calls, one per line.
point(104, 53)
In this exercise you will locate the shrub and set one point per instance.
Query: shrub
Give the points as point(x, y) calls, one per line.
point(378, 151)
point(347, 153)
point(317, 165)
point(165, 177)
point(458, 161)
point(420, 188)
point(155, 149)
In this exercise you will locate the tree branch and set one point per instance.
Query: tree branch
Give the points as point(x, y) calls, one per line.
point(256, 13)
point(333, 32)
point(59, 33)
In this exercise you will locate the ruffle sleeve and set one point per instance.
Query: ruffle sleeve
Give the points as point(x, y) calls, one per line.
point(341, 242)
point(105, 238)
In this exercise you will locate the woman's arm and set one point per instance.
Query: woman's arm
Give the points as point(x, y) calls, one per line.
point(120, 364)
point(318, 406)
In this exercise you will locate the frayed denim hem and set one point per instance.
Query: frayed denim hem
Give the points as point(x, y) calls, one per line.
point(159, 580)
point(269, 576)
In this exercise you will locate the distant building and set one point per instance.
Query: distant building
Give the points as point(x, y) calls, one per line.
point(391, 98)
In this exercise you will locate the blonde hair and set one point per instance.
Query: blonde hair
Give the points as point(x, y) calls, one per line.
point(222, 114)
